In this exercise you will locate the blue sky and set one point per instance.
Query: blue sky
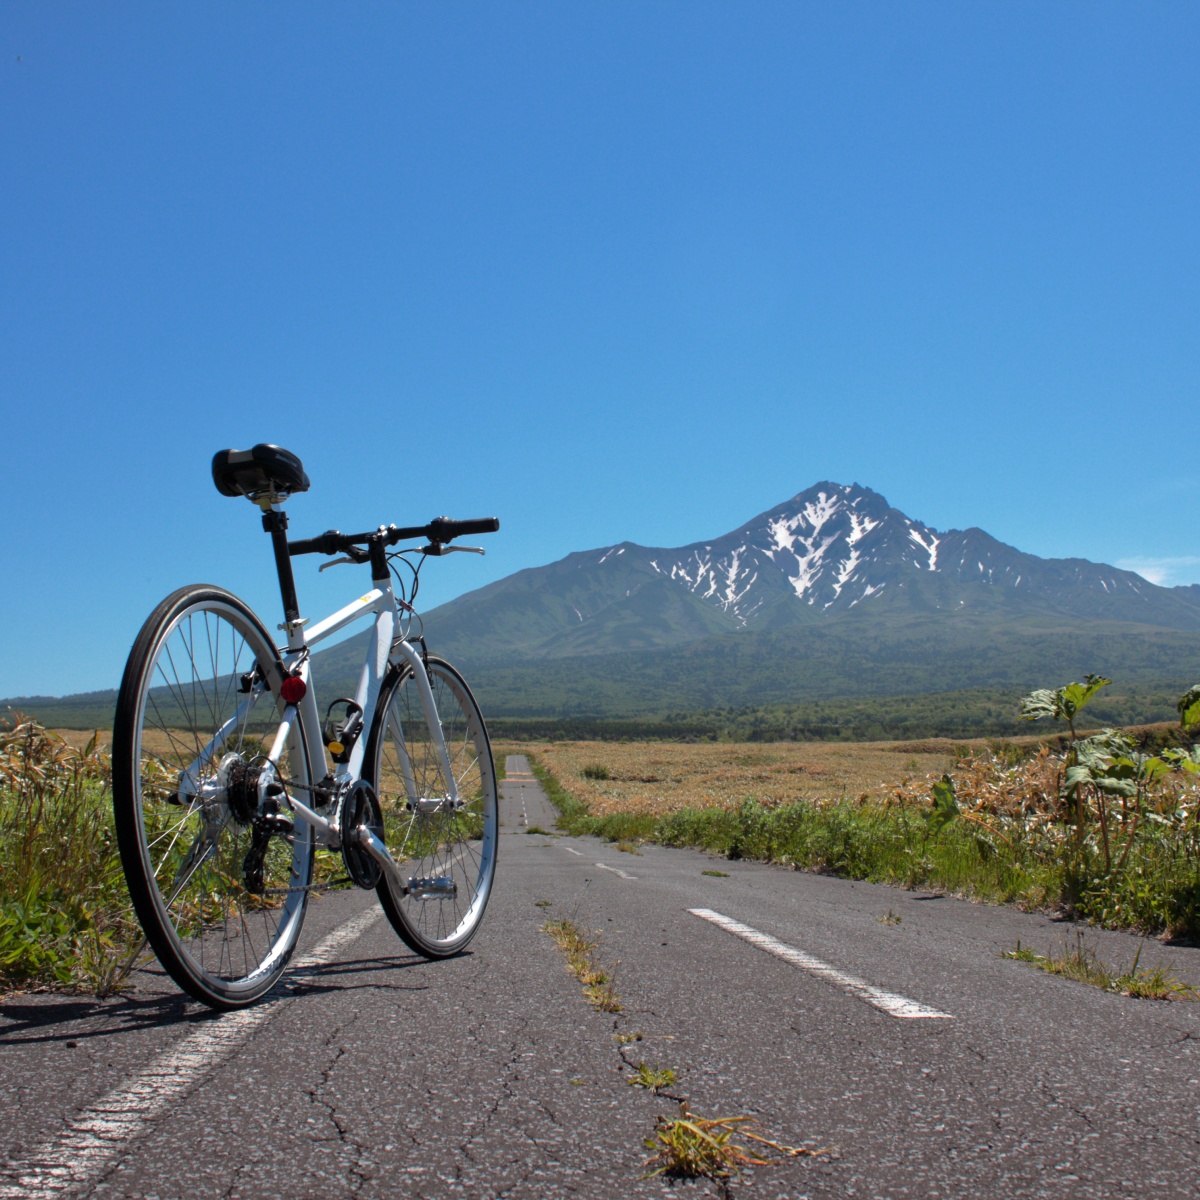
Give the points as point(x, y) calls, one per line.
point(606, 270)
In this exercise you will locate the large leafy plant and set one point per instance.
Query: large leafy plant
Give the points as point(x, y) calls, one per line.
point(1064, 703)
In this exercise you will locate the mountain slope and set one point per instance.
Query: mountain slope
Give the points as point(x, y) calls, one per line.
point(828, 551)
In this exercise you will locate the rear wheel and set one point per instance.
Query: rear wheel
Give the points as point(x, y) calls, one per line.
point(220, 892)
point(446, 855)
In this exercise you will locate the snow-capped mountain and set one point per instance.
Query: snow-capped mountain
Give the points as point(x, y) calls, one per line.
point(832, 553)
point(836, 546)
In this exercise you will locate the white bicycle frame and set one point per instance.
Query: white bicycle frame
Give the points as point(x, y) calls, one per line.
point(383, 648)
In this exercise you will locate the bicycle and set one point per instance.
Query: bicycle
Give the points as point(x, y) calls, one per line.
point(226, 779)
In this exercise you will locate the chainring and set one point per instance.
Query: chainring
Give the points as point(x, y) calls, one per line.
point(360, 806)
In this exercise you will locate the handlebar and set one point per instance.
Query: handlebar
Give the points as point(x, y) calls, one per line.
point(438, 532)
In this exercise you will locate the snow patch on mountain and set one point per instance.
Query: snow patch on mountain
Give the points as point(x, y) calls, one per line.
point(835, 546)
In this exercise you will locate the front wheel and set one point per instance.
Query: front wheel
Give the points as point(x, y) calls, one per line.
point(446, 855)
point(219, 891)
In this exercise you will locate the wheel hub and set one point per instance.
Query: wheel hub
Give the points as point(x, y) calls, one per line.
point(244, 786)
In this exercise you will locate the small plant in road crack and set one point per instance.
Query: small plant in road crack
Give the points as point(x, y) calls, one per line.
point(653, 1079)
point(538, 829)
point(1081, 964)
point(716, 874)
point(599, 982)
point(690, 1146)
point(890, 919)
point(627, 848)
point(623, 1039)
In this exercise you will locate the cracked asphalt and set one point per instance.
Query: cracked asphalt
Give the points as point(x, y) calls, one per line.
point(489, 1075)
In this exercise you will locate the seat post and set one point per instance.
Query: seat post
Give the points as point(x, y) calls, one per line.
point(275, 523)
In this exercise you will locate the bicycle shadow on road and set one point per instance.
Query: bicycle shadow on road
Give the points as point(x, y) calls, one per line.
point(60, 1018)
point(306, 981)
point(42, 1018)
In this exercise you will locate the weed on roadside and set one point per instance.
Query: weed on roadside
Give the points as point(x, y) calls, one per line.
point(579, 948)
point(65, 919)
point(653, 1079)
point(1082, 964)
point(716, 874)
point(538, 829)
point(690, 1146)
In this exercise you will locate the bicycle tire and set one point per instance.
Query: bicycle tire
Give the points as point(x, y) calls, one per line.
point(181, 718)
point(460, 846)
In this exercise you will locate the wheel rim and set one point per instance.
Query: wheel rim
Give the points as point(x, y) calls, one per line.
point(456, 845)
point(193, 725)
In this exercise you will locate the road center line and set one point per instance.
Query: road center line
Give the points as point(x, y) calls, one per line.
point(888, 1002)
point(75, 1157)
point(578, 853)
point(616, 871)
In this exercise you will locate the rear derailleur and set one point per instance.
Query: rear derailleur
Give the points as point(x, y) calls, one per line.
point(252, 793)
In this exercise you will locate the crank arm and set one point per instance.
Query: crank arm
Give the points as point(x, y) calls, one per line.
point(441, 888)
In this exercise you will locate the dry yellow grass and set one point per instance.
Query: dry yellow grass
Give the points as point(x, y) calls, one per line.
point(661, 777)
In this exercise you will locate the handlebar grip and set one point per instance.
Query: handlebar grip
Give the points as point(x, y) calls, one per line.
point(443, 529)
point(329, 542)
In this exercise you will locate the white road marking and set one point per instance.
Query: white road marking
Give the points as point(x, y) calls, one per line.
point(576, 852)
point(92, 1140)
point(888, 1002)
point(615, 871)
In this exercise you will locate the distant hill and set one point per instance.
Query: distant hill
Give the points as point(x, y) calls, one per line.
point(833, 593)
point(829, 551)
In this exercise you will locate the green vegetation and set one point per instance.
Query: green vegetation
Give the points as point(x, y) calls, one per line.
point(1108, 832)
point(959, 715)
point(653, 1079)
point(580, 950)
point(690, 1146)
point(65, 920)
point(840, 668)
point(1081, 963)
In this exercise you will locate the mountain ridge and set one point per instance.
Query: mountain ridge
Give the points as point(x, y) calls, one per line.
point(829, 549)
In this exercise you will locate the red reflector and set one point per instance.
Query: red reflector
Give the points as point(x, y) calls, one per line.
point(293, 689)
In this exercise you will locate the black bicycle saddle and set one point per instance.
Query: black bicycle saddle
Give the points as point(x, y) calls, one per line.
point(263, 469)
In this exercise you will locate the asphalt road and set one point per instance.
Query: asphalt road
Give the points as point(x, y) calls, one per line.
point(924, 1064)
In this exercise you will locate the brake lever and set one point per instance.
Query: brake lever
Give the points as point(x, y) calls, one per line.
point(437, 549)
point(333, 562)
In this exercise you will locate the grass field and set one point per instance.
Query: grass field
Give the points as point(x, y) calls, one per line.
point(656, 778)
point(1009, 833)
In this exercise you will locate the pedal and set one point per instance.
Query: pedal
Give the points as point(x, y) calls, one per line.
point(435, 887)
point(433, 804)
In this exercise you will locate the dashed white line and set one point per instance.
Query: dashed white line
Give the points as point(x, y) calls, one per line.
point(92, 1140)
point(616, 871)
point(888, 1002)
point(578, 853)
